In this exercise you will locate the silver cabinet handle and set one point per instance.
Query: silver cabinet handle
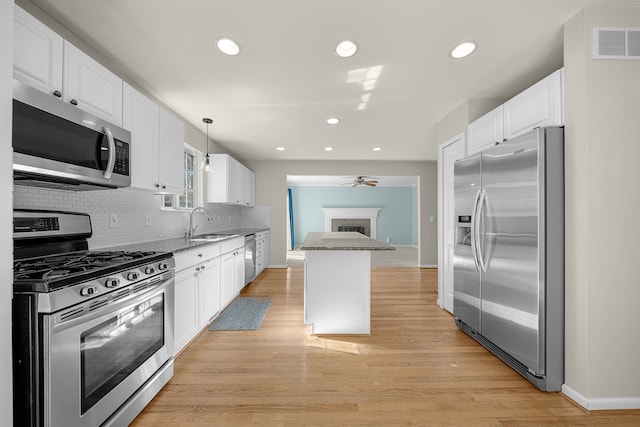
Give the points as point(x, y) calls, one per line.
point(112, 153)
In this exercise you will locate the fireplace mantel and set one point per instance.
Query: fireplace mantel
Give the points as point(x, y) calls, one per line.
point(352, 213)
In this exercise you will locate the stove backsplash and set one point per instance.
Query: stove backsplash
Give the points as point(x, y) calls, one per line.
point(131, 207)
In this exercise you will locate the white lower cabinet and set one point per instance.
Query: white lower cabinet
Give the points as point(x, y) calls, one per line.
point(232, 269)
point(209, 291)
point(186, 324)
point(262, 251)
point(197, 292)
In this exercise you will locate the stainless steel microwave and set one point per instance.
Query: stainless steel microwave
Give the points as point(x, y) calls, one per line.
point(57, 145)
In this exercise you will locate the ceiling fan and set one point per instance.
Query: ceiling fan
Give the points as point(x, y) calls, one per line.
point(361, 180)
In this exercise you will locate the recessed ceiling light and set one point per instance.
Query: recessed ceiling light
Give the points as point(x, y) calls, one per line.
point(346, 48)
point(280, 148)
point(228, 46)
point(328, 148)
point(463, 49)
point(333, 120)
point(377, 149)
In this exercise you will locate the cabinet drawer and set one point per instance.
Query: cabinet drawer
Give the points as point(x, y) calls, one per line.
point(231, 244)
point(186, 259)
point(262, 234)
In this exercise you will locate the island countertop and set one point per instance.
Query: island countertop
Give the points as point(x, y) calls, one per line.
point(342, 241)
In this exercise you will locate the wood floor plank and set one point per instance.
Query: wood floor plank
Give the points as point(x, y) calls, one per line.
point(415, 369)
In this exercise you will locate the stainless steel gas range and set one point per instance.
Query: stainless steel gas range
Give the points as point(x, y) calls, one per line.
point(92, 330)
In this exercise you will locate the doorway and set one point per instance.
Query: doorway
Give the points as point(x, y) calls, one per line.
point(395, 197)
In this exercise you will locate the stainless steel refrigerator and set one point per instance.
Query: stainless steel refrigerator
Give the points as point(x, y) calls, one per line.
point(509, 253)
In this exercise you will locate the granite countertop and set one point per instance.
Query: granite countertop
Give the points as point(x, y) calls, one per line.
point(179, 244)
point(342, 241)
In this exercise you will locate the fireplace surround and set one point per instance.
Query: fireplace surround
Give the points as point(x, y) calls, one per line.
point(352, 217)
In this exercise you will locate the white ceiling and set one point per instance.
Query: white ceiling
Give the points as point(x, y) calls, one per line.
point(347, 181)
point(287, 81)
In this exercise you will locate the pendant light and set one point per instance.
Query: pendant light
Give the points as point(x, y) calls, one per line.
point(207, 159)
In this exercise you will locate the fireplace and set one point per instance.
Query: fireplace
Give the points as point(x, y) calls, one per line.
point(361, 220)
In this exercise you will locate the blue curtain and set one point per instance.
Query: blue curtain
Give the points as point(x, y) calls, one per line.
point(291, 219)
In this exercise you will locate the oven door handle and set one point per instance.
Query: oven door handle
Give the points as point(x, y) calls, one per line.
point(112, 153)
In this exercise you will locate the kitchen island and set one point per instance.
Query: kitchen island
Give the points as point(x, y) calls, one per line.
point(337, 281)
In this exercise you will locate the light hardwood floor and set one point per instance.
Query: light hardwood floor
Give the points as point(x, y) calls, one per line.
point(415, 369)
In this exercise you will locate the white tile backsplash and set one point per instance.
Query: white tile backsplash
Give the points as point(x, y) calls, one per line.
point(131, 207)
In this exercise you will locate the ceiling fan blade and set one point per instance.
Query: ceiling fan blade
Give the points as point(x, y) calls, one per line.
point(355, 184)
point(370, 184)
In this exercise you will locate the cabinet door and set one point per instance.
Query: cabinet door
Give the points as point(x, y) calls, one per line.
point(171, 153)
point(485, 132)
point(265, 253)
point(91, 86)
point(235, 180)
point(249, 187)
point(227, 273)
point(140, 116)
point(209, 285)
point(538, 106)
point(37, 53)
point(238, 265)
point(217, 179)
point(186, 322)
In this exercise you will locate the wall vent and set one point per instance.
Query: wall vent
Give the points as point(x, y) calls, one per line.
point(616, 43)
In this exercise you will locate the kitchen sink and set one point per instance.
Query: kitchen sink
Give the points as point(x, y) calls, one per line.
point(214, 237)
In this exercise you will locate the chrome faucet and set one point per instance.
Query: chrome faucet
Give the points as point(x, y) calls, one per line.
point(192, 230)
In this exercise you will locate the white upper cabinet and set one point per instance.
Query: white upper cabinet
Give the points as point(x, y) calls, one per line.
point(141, 116)
point(91, 86)
point(170, 153)
point(230, 182)
point(485, 132)
point(37, 54)
point(46, 61)
point(157, 144)
point(246, 190)
point(538, 106)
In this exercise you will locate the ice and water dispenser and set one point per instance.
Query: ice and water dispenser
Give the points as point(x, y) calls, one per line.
point(463, 230)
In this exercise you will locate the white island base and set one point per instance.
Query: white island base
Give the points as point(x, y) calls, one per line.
point(337, 282)
point(337, 292)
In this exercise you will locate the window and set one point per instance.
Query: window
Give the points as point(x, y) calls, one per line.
point(191, 182)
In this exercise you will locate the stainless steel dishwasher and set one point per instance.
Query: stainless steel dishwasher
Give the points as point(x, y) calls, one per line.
point(249, 258)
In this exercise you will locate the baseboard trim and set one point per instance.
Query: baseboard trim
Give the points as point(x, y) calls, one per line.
point(428, 265)
point(601, 404)
point(277, 266)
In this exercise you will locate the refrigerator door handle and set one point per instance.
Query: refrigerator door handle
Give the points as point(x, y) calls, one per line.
point(480, 255)
point(473, 231)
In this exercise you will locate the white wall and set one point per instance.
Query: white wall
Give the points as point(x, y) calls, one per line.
point(271, 190)
point(602, 280)
point(6, 215)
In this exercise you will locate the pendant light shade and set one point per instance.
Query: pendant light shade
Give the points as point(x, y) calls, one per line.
point(207, 159)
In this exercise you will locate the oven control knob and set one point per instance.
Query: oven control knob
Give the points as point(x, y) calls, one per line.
point(149, 270)
point(111, 282)
point(88, 291)
point(163, 266)
point(132, 275)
